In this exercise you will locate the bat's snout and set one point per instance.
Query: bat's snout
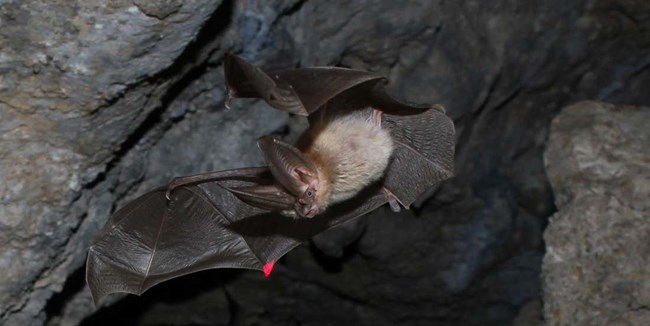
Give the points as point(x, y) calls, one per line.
point(305, 208)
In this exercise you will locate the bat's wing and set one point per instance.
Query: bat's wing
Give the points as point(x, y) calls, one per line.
point(202, 226)
point(303, 91)
point(423, 154)
point(300, 91)
point(208, 225)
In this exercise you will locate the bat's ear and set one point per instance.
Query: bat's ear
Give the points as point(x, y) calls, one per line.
point(288, 165)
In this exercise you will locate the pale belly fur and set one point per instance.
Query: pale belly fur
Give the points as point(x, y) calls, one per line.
point(356, 151)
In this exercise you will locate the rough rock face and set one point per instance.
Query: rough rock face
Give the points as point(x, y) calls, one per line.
point(102, 100)
point(597, 264)
point(78, 78)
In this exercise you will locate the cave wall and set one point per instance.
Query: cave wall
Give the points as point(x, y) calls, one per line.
point(101, 101)
point(597, 264)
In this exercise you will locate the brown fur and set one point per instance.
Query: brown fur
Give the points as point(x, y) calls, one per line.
point(350, 152)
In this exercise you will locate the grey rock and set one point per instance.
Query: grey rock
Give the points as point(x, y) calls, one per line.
point(101, 101)
point(160, 9)
point(71, 92)
point(597, 264)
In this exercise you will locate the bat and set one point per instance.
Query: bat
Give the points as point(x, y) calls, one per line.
point(362, 149)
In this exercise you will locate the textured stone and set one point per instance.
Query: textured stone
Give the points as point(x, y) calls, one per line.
point(597, 264)
point(102, 100)
point(71, 93)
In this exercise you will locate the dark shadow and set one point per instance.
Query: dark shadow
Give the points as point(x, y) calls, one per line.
point(335, 264)
point(73, 285)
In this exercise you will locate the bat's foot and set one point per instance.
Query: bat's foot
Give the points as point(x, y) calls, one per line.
point(393, 201)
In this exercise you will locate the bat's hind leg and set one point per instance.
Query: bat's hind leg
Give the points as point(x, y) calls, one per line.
point(393, 201)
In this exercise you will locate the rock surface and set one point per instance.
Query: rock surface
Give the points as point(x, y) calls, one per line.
point(102, 100)
point(597, 262)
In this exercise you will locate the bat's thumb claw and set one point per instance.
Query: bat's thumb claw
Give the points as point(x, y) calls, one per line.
point(175, 183)
point(231, 94)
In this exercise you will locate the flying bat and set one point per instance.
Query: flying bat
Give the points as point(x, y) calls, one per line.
point(362, 149)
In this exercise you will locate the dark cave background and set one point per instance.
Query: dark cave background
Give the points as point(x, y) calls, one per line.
point(468, 253)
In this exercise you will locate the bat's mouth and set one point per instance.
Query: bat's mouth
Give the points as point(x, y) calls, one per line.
point(306, 209)
point(312, 212)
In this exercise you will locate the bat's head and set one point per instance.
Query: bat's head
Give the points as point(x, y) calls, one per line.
point(307, 204)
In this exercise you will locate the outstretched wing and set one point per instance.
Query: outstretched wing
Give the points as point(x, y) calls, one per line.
point(202, 226)
point(300, 91)
point(150, 241)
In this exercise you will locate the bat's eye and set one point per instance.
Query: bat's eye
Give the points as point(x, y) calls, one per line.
point(310, 193)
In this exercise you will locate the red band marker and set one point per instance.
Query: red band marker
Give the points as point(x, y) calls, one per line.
point(268, 267)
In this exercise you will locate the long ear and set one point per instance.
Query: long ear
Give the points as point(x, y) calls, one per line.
point(300, 91)
point(288, 165)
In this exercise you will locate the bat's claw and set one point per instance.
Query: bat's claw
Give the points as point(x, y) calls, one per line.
point(175, 183)
point(232, 93)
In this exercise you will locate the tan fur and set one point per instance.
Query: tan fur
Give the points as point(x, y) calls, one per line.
point(350, 153)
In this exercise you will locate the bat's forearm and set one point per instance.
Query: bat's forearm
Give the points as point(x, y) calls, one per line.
point(212, 176)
